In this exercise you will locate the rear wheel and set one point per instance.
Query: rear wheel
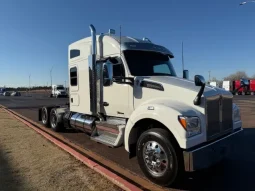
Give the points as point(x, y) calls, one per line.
point(45, 116)
point(159, 157)
point(55, 123)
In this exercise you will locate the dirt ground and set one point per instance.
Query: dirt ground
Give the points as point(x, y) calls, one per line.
point(29, 162)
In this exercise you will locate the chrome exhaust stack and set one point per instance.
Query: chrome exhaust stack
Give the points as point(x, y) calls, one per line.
point(93, 36)
point(95, 77)
point(92, 72)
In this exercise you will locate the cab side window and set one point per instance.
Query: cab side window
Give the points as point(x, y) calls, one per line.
point(118, 67)
point(73, 76)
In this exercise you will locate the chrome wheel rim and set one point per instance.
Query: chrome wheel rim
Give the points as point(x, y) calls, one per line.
point(44, 117)
point(155, 158)
point(53, 120)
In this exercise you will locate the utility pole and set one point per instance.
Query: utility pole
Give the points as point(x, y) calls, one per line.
point(29, 82)
point(65, 84)
point(182, 58)
point(209, 75)
point(51, 76)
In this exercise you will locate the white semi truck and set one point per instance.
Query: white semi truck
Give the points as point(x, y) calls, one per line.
point(226, 85)
point(214, 84)
point(124, 92)
point(58, 91)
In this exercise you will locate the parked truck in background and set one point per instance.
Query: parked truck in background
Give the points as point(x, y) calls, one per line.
point(214, 84)
point(124, 91)
point(237, 87)
point(252, 86)
point(2, 90)
point(241, 87)
point(58, 91)
point(227, 85)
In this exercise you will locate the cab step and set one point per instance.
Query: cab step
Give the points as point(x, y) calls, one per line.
point(110, 132)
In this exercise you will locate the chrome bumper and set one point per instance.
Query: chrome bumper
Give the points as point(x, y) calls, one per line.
point(210, 154)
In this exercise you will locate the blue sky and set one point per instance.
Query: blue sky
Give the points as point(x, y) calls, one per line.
point(218, 35)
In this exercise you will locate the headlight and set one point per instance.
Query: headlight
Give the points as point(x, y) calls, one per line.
point(191, 125)
point(236, 113)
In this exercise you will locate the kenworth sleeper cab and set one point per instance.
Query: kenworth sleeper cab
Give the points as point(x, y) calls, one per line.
point(125, 92)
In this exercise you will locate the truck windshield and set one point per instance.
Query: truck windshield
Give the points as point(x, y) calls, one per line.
point(147, 63)
point(60, 88)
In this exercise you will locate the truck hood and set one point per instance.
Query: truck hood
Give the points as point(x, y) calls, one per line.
point(186, 84)
point(176, 89)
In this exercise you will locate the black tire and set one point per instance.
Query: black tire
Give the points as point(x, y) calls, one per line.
point(45, 116)
point(174, 164)
point(54, 121)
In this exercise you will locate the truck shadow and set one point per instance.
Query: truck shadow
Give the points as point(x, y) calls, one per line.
point(234, 173)
point(8, 176)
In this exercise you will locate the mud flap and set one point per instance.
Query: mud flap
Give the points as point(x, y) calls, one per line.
point(40, 114)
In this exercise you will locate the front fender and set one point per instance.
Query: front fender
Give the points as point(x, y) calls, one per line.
point(161, 113)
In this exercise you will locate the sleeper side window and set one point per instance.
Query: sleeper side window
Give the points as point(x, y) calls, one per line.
point(74, 53)
point(73, 76)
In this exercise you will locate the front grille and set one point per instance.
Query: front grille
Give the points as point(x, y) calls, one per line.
point(218, 111)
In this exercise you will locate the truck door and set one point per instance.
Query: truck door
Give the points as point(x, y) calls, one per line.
point(116, 96)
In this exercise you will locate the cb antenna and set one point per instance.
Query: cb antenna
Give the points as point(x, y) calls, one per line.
point(182, 58)
point(120, 41)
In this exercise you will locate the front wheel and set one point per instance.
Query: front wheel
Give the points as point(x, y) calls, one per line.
point(159, 157)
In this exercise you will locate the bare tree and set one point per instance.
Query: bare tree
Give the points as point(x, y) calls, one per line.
point(237, 76)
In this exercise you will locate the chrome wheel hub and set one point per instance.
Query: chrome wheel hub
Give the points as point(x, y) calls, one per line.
point(53, 120)
point(155, 158)
point(44, 117)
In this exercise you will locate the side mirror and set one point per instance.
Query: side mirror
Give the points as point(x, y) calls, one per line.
point(185, 74)
point(244, 82)
point(199, 80)
point(107, 73)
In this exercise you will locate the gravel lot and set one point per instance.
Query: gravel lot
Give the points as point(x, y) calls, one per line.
point(30, 162)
